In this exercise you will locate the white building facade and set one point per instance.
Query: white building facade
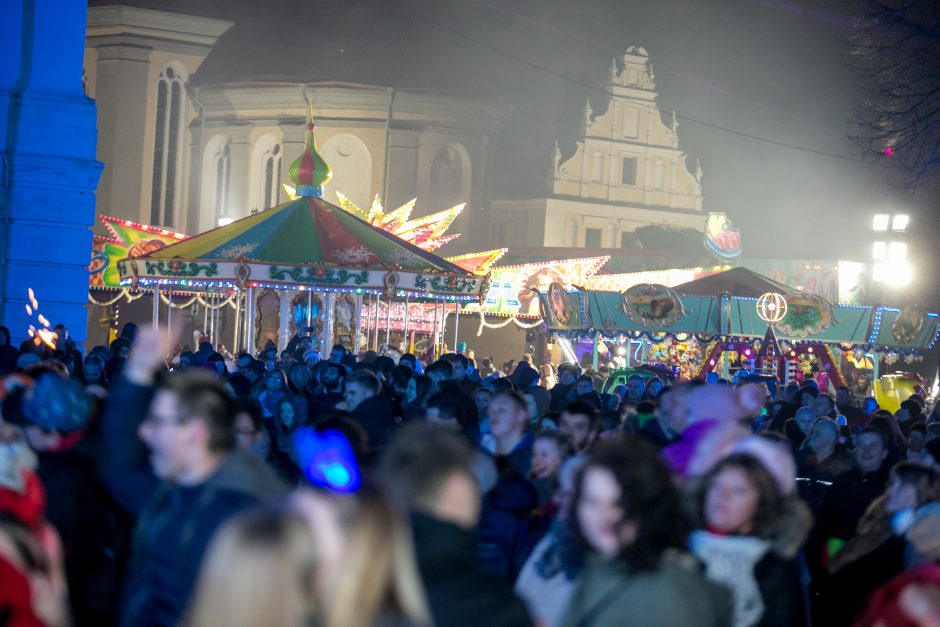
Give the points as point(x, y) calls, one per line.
point(626, 172)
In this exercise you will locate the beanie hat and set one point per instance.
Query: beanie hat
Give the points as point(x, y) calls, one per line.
point(524, 376)
point(775, 458)
point(57, 404)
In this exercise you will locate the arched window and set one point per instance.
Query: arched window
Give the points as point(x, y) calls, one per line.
point(450, 177)
point(220, 182)
point(271, 167)
point(167, 155)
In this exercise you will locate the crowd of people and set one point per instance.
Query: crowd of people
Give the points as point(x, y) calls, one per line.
point(146, 484)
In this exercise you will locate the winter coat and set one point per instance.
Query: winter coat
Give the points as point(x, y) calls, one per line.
point(868, 561)
point(814, 478)
point(547, 580)
point(174, 530)
point(95, 533)
point(766, 586)
point(609, 594)
point(504, 519)
point(561, 395)
point(8, 357)
point(846, 502)
point(458, 595)
point(374, 415)
point(761, 570)
point(174, 523)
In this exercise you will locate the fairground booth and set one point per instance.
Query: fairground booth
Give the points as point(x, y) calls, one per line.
point(737, 322)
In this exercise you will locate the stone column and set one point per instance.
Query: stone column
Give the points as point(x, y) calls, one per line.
point(239, 205)
point(121, 91)
point(49, 172)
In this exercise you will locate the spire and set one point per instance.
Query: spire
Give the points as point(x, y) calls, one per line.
point(556, 159)
point(586, 113)
point(309, 172)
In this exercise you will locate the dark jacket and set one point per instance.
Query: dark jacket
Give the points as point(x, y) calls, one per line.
point(376, 417)
point(608, 594)
point(95, 533)
point(502, 535)
point(174, 523)
point(561, 395)
point(173, 533)
point(867, 562)
point(774, 567)
point(846, 502)
point(458, 594)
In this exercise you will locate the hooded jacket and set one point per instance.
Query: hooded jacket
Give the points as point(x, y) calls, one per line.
point(762, 572)
point(458, 595)
point(174, 523)
point(375, 415)
point(174, 530)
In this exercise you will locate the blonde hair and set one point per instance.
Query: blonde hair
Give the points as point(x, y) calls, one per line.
point(379, 575)
point(259, 570)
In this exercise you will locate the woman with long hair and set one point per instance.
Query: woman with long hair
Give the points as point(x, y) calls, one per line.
point(378, 584)
point(259, 570)
point(627, 513)
point(751, 528)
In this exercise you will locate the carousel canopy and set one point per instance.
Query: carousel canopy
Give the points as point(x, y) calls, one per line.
point(736, 281)
point(653, 310)
point(306, 243)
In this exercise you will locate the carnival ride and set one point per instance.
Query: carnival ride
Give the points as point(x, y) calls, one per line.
point(307, 249)
point(706, 325)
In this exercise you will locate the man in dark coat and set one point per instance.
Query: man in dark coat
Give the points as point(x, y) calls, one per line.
point(849, 497)
point(369, 407)
point(431, 469)
point(195, 481)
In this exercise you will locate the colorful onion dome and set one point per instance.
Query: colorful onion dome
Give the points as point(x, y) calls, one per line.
point(310, 172)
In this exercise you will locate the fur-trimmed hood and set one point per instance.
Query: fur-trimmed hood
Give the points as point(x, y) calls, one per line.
point(786, 534)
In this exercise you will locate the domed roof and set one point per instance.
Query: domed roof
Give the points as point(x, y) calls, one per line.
point(389, 43)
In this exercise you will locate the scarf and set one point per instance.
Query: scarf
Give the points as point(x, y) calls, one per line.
point(730, 561)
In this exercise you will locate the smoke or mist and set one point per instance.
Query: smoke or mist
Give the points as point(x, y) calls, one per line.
point(762, 88)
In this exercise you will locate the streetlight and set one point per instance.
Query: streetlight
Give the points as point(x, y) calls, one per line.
point(890, 256)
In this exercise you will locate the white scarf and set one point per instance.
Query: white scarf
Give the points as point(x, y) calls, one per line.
point(730, 561)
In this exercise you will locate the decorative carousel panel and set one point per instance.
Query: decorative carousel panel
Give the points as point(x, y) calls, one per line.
point(345, 320)
point(807, 314)
point(305, 310)
point(267, 318)
point(652, 305)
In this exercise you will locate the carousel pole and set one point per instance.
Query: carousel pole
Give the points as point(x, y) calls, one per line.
point(404, 335)
point(250, 322)
point(205, 313)
point(440, 335)
point(368, 321)
point(436, 334)
point(456, 323)
point(214, 318)
point(388, 322)
point(330, 306)
point(375, 336)
point(238, 320)
point(357, 334)
point(169, 308)
point(156, 305)
point(309, 307)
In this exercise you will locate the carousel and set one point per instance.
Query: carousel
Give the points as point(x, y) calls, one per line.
point(740, 321)
point(306, 265)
